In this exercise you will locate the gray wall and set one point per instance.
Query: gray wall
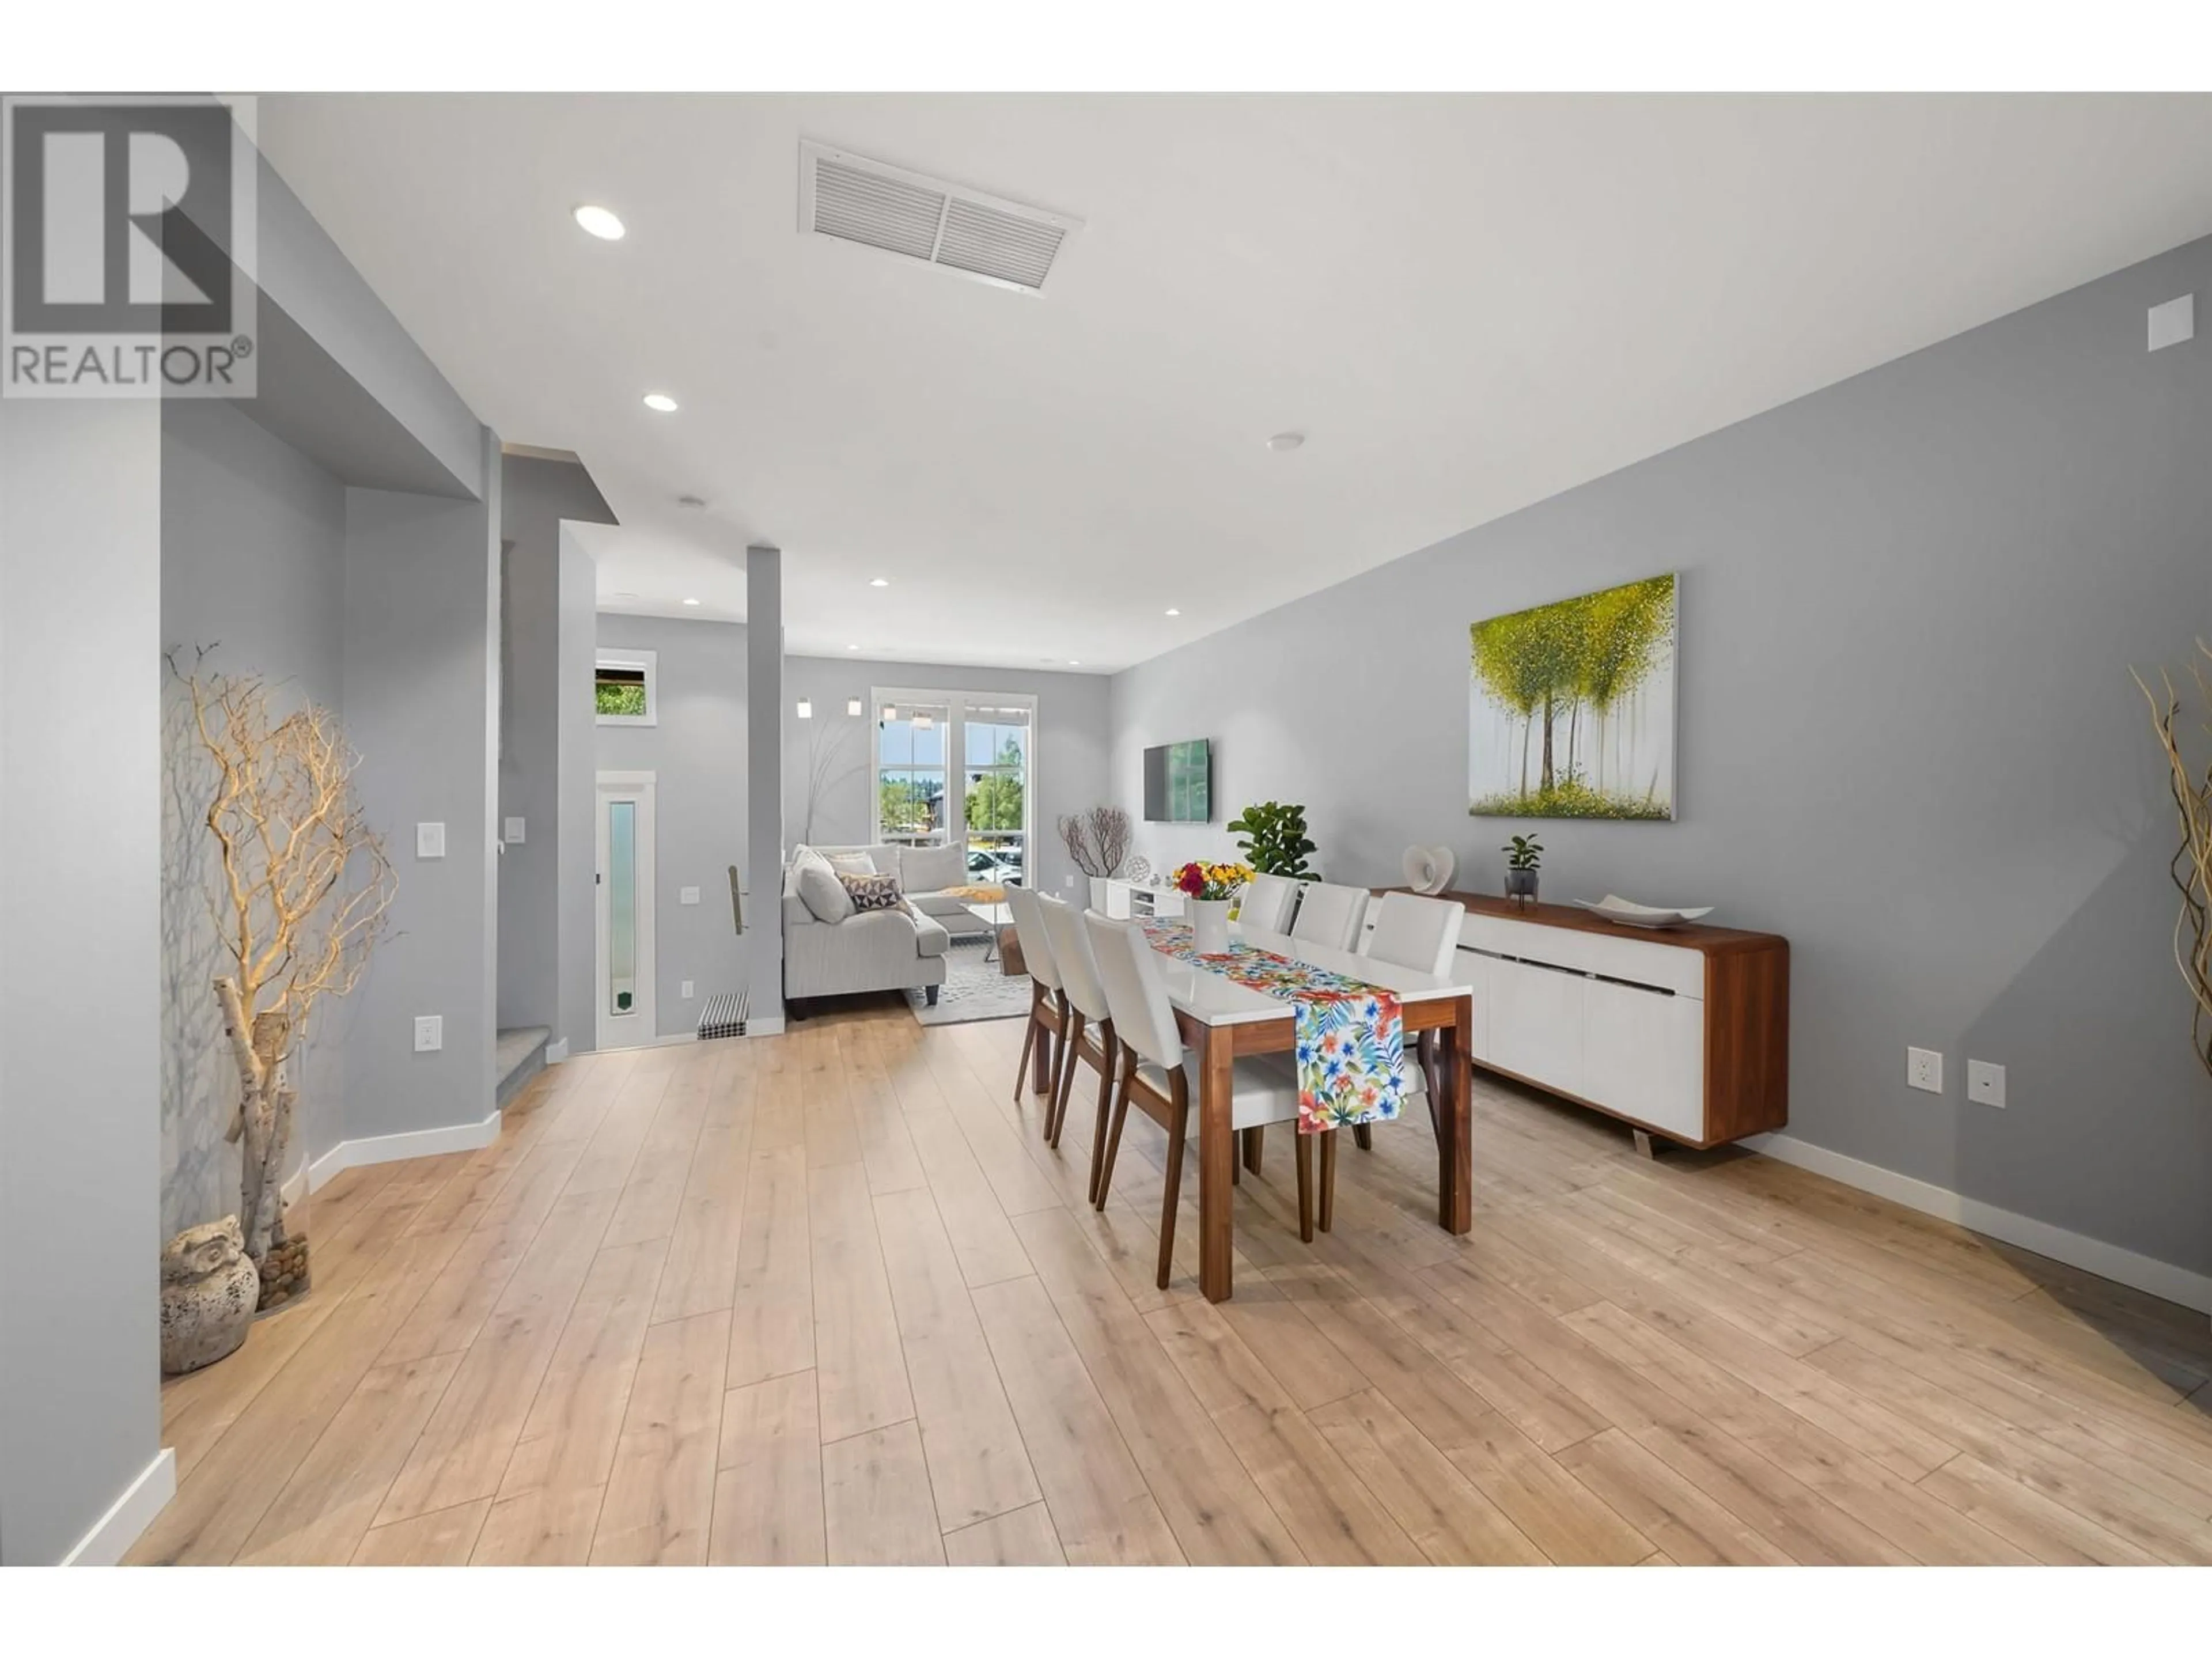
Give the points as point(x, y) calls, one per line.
point(536, 495)
point(575, 943)
point(253, 563)
point(421, 705)
point(697, 754)
point(80, 980)
point(1070, 757)
point(1908, 738)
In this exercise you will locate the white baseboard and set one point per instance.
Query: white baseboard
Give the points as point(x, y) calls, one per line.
point(115, 1532)
point(2123, 1267)
point(416, 1143)
point(556, 1051)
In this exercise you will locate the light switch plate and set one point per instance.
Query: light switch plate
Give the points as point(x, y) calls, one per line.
point(429, 841)
point(1924, 1069)
point(514, 836)
point(1985, 1083)
point(687, 990)
point(429, 1033)
point(2174, 322)
point(687, 896)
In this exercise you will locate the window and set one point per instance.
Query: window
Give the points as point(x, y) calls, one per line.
point(623, 691)
point(957, 768)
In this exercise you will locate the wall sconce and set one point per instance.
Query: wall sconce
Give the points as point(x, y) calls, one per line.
point(805, 709)
point(853, 707)
point(891, 711)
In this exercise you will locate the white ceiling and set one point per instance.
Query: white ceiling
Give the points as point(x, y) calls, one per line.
point(1468, 303)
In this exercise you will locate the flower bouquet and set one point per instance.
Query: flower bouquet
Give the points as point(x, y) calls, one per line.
point(1210, 887)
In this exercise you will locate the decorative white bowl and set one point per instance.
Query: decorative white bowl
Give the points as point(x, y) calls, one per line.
point(1614, 907)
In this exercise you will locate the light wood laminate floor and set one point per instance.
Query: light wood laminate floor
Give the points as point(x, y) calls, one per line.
point(828, 1297)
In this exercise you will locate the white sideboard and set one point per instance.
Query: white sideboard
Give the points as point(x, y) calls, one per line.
point(1683, 1033)
point(1126, 900)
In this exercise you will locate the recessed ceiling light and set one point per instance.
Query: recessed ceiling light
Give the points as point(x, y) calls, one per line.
point(690, 601)
point(1073, 662)
point(852, 647)
point(1283, 442)
point(1172, 611)
point(665, 405)
point(879, 581)
point(600, 222)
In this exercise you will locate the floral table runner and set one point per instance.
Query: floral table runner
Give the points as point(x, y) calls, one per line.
point(1351, 1036)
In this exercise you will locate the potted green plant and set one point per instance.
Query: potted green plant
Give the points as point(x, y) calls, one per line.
point(1275, 839)
point(1524, 855)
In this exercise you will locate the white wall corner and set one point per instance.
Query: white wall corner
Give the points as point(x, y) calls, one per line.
point(770, 1027)
point(2122, 1265)
point(556, 1051)
point(115, 1532)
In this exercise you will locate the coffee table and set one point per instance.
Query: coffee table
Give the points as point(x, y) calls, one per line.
point(993, 917)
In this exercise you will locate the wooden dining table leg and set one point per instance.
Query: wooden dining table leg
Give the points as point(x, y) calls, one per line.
point(1455, 1138)
point(1217, 1157)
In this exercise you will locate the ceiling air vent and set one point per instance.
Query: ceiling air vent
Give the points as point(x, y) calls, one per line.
point(946, 225)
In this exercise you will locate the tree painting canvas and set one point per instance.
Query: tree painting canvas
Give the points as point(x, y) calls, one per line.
point(1570, 707)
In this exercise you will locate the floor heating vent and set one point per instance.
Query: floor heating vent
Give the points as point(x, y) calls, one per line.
point(723, 1016)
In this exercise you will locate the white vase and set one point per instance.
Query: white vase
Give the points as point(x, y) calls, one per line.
point(1098, 893)
point(1209, 926)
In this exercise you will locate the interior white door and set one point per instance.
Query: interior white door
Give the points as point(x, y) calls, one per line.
point(623, 981)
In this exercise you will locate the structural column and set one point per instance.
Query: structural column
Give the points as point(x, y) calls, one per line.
point(763, 862)
point(82, 1468)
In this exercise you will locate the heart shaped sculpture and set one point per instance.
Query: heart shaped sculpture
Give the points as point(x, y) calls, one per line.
point(1428, 869)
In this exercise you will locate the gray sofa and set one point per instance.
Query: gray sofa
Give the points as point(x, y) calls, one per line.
point(875, 950)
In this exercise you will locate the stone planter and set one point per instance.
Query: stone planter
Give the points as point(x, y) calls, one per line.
point(209, 1289)
point(284, 1277)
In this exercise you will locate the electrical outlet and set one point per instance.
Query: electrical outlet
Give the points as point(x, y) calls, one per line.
point(1985, 1083)
point(429, 841)
point(1924, 1069)
point(514, 836)
point(429, 1033)
point(1068, 881)
point(2174, 322)
point(687, 990)
point(688, 896)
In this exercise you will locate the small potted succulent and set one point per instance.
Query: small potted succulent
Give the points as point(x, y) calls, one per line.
point(1524, 854)
point(1209, 887)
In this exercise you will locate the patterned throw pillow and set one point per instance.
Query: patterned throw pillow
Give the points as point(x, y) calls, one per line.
point(873, 892)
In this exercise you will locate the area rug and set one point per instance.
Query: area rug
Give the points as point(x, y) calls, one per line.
point(973, 989)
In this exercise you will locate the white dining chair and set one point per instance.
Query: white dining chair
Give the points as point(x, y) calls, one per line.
point(1423, 934)
point(1266, 903)
point(1088, 1036)
point(1330, 915)
point(1161, 1076)
point(1047, 1003)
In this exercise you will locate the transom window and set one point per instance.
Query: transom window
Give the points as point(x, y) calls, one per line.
point(623, 691)
point(957, 768)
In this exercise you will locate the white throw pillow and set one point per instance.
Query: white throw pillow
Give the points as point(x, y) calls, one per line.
point(852, 864)
point(932, 869)
point(823, 894)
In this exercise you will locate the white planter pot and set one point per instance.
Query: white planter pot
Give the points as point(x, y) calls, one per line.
point(1209, 926)
point(1098, 893)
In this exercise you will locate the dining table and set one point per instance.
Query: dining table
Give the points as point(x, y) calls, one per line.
point(1222, 1021)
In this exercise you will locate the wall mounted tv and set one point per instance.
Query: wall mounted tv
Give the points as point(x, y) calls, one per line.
point(1179, 782)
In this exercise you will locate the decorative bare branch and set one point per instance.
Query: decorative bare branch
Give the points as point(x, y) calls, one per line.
point(303, 897)
point(2191, 868)
point(1099, 839)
